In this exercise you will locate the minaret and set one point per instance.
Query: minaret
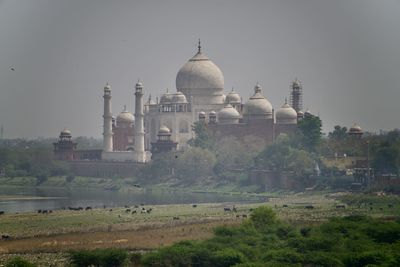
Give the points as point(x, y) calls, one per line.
point(107, 127)
point(139, 124)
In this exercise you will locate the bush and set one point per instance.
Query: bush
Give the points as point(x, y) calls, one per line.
point(19, 262)
point(99, 257)
point(227, 257)
point(263, 217)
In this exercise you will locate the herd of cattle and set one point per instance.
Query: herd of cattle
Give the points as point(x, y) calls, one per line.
point(141, 209)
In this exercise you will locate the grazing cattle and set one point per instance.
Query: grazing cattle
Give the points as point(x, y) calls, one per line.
point(227, 209)
point(133, 212)
point(44, 211)
point(194, 206)
point(244, 215)
point(128, 210)
point(143, 211)
point(309, 207)
point(340, 206)
point(175, 218)
point(237, 216)
point(5, 236)
point(390, 205)
point(136, 206)
point(1, 212)
point(88, 208)
point(110, 210)
point(285, 206)
point(126, 206)
point(50, 211)
point(39, 211)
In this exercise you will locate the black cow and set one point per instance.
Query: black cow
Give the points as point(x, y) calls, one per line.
point(309, 207)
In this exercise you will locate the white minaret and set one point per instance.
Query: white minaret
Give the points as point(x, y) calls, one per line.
point(107, 127)
point(139, 124)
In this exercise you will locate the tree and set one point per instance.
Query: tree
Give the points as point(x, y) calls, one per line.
point(339, 133)
point(202, 137)
point(195, 162)
point(310, 130)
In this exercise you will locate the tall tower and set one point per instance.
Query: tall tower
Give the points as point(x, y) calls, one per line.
point(296, 95)
point(139, 124)
point(1, 132)
point(107, 117)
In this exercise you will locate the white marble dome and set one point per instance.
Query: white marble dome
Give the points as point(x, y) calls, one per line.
point(65, 133)
point(257, 107)
point(179, 98)
point(233, 98)
point(125, 117)
point(286, 115)
point(200, 78)
point(164, 130)
point(166, 98)
point(228, 115)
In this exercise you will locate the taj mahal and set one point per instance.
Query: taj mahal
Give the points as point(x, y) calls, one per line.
point(165, 123)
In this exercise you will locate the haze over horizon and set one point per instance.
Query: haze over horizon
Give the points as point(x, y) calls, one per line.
point(56, 57)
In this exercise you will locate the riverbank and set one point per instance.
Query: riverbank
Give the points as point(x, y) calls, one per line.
point(44, 237)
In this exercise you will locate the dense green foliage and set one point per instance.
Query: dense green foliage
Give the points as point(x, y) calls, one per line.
point(265, 241)
point(37, 162)
point(310, 132)
point(100, 257)
point(19, 262)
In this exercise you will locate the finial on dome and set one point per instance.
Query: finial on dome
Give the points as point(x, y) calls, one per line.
point(232, 89)
point(167, 90)
point(199, 46)
point(285, 100)
point(124, 107)
point(257, 88)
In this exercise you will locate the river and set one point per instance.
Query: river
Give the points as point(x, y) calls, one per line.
point(27, 199)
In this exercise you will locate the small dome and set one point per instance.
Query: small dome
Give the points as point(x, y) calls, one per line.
point(200, 76)
point(179, 98)
point(139, 84)
point(257, 106)
point(355, 129)
point(65, 132)
point(202, 114)
point(228, 115)
point(164, 130)
point(286, 115)
point(125, 117)
point(107, 87)
point(212, 113)
point(166, 98)
point(233, 98)
point(296, 83)
point(307, 113)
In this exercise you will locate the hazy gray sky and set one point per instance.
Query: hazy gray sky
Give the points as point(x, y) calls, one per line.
point(346, 53)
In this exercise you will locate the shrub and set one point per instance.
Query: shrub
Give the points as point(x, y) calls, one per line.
point(99, 257)
point(263, 218)
point(227, 257)
point(19, 262)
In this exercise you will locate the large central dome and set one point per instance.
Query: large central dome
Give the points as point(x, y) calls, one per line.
point(200, 78)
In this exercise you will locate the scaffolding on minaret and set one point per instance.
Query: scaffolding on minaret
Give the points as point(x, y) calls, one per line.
point(1, 132)
point(296, 95)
